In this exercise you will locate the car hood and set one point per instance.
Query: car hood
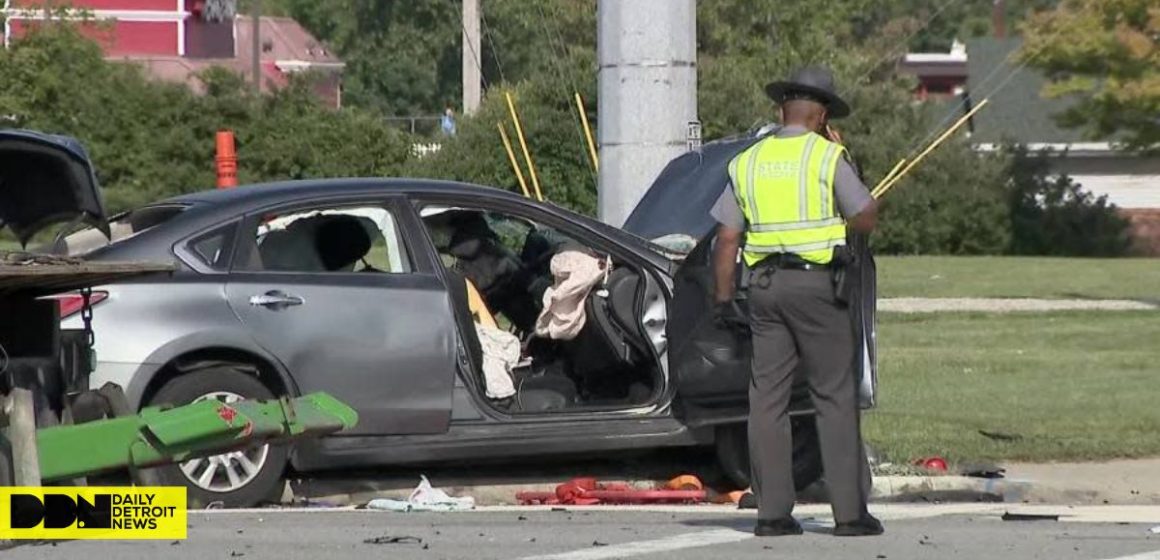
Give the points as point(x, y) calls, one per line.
point(46, 179)
point(679, 200)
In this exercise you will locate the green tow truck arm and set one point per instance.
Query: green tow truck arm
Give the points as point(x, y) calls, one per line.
point(159, 436)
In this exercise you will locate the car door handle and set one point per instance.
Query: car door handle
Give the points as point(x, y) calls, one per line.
point(275, 299)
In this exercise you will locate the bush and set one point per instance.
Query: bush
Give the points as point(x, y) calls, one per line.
point(955, 205)
point(1051, 215)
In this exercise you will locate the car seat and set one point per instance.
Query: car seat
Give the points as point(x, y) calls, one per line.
point(496, 272)
point(284, 250)
point(609, 349)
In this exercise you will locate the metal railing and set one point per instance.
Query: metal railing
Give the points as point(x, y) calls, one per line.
point(423, 125)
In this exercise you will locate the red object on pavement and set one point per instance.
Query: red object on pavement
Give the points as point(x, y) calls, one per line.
point(589, 491)
point(935, 463)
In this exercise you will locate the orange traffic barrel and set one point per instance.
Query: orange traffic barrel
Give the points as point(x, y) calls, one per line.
point(226, 160)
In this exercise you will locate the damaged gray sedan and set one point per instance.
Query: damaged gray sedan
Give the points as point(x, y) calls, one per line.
point(395, 295)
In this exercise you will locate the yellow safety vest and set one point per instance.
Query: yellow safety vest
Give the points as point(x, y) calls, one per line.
point(785, 187)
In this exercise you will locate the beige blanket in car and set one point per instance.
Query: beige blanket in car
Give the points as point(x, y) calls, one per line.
point(575, 273)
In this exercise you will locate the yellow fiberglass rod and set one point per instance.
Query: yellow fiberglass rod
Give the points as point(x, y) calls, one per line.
point(881, 190)
point(507, 145)
point(524, 146)
point(587, 133)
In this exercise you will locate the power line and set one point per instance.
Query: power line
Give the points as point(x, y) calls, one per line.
point(990, 76)
point(892, 52)
point(557, 65)
point(491, 39)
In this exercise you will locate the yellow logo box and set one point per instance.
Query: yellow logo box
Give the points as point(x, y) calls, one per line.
point(92, 513)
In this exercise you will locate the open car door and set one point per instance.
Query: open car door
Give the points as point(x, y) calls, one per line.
point(46, 179)
point(710, 364)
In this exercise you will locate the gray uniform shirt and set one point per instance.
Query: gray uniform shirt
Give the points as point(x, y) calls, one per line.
point(851, 194)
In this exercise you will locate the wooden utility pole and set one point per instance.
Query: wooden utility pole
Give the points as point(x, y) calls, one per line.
point(256, 46)
point(472, 57)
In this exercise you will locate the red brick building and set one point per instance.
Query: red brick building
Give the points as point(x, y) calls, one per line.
point(174, 39)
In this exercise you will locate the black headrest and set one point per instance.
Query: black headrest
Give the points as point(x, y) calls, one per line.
point(341, 241)
point(471, 235)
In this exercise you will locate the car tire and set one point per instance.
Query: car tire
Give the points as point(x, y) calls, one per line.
point(732, 443)
point(259, 486)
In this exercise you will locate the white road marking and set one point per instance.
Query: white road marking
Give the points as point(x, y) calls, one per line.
point(886, 512)
point(1142, 556)
point(639, 548)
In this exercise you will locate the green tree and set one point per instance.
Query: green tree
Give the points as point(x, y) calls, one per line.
point(1106, 53)
point(404, 57)
point(150, 140)
point(944, 20)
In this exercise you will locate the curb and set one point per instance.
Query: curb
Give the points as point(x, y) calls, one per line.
point(886, 489)
point(949, 489)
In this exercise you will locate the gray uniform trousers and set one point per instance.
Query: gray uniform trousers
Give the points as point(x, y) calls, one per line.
point(795, 319)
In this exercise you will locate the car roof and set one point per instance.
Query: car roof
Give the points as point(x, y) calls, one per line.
point(210, 208)
point(264, 193)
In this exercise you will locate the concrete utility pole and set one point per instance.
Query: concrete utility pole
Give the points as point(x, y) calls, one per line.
point(472, 57)
point(647, 50)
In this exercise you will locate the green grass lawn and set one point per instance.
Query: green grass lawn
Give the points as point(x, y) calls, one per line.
point(1069, 386)
point(1039, 277)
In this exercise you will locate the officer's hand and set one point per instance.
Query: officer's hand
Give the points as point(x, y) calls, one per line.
point(728, 315)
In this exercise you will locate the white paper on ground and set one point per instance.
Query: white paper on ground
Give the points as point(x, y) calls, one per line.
point(424, 498)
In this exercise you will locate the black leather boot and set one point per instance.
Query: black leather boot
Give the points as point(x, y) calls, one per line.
point(866, 526)
point(777, 527)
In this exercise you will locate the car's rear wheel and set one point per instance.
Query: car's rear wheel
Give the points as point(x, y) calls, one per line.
point(240, 478)
point(732, 444)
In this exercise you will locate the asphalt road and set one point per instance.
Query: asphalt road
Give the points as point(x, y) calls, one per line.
point(913, 531)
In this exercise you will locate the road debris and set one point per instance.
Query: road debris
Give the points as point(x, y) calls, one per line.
point(589, 491)
point(424, 498)
point(1008, 516)
point(983, 471)
point(1155, 530)
point(387, 539)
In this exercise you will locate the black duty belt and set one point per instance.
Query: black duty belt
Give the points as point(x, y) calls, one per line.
point(789, 261)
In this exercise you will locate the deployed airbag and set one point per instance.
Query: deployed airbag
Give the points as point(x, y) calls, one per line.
point(576, 273)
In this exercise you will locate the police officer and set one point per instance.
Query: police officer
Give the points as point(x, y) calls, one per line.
point(794, 194)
